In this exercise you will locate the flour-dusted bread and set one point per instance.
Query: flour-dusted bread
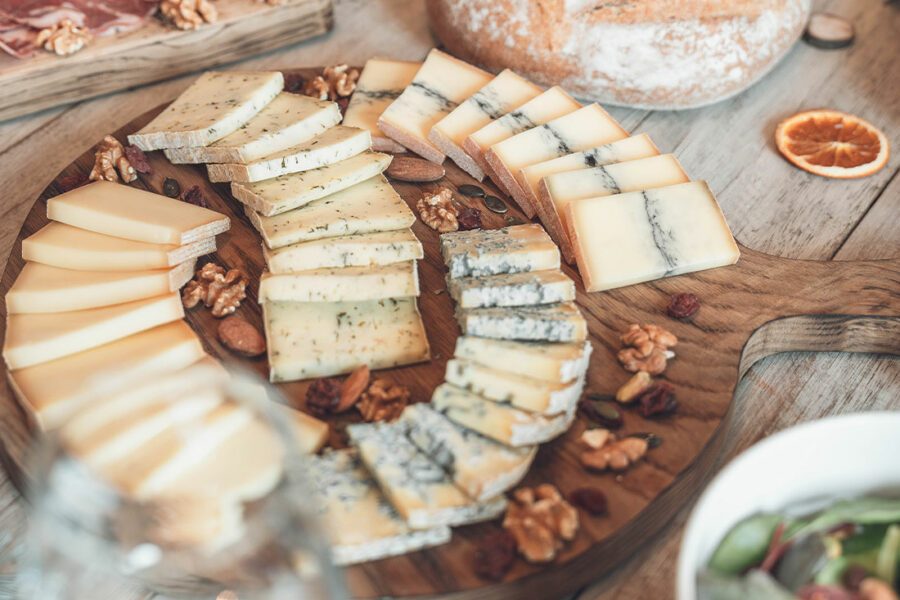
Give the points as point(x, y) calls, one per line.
point(658, 54)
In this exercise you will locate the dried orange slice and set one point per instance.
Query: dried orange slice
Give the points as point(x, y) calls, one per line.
point(832, 144)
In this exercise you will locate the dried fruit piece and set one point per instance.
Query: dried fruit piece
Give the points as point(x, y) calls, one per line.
point(540, 520)
point(171, 187)
point(70, 182)
point(194, 196)
point(138, 159)
point(658, 400)
point(639, 382)
point(603, 412)
point(495, 555)
point(828, 31)
point(683, 306)
point(323, 396)
point(414, 170)
point(241, 337)
point(591, 499)
point(353, 387)
point(853, 577)
point(469, 218)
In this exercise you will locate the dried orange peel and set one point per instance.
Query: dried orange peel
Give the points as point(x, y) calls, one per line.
point(832, 144)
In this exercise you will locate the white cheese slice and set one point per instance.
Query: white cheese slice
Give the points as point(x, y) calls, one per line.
point(556, 363)
point(309, 432)
point(318, 339)
point(438, 87)
point(341, 284)
point(286, 121)
point(483, 468)
point(517, 289)
point(287, 192)
point(33, 339)
point(551, 104)
point(641, 236)
point(416, 486)
point(515, 249)
point(360, 523)
point(499, 422)
point(585, 128)
point(361, 250)
point(504, 93)
point(549, 322)
point(216, 105)
point(368, 207)
point(380, 83)
point(127, 212)
point(68, 247)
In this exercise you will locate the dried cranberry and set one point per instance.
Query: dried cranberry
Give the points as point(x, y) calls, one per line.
point(293, 82)
point(682, 306)
point(194, 196)
point(590, 499)
point(601, 411)
point(469, 218)
point(495, 555)
point(342, 103)
point(853, 577)
point(323, 396)
point(70, 182)
point(657, 400)
point(138, 159)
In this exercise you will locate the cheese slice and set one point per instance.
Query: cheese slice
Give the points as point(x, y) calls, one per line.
point(551, 104)
point(360, 523)
point(559, 190)
point(641, 236)
point(216, 105)
point(331, 146)
point(380, 83)
point(548, 322)
point(319, 339)
point(483, 468)
point(53, 391)
point(517, 289)
point(44, 289)
point(68, 247)
point(438, 87)
point(504, 93)
point(361, 250)
point(310, 433)
point(286, 121)
point(415, 485)
point(287, 192)
point(342, 284)
point(127, 212)
point(585, 128)
point(368, 207)
point(556, 363)
point(515, 249)
point(497, 421)
point(32, 339)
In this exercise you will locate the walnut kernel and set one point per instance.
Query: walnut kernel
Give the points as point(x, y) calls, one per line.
point(188, 14)
point(63, 38)
point(383, 401)
point(438, 212)
point(615, 454)
point(219, 290)
point(540, 520)
point(110, 162)
point(647, 348)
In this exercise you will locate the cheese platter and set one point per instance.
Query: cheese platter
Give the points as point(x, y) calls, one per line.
point(492, 396)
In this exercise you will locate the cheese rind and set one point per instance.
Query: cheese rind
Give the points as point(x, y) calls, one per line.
point(549, 322)
point(365, 249)
point(517, 289)
point(515, 249)
point(214, 106)
point(641, 236)
point(557, 363)
point(343, 284)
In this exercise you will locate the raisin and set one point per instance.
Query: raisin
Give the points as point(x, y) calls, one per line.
point(590, 499)
point(658, 400)
point(682, 306)
point(138, 159)
point(603, 412)
point(469, 218)
point(194, 196)
point(171, 187)
point(323, 396)
point(293, 82)
point(495, 555)
point(70, 182)
point(853, 577)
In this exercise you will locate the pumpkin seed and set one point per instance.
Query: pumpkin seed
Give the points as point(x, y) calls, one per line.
point(495, 204)
point(473, 191)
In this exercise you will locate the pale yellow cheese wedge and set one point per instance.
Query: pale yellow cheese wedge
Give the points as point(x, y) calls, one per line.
point(309, 432)
point(342, 284)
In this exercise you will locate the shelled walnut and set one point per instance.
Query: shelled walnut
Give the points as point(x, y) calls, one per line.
point(110, 162)
point(63, 38)
point(335, 82)
point(438, 212)
point(647, 349)
point(219, 290)
point(383, 401)
point(188, 14)
point(605, 451)
point(540, 520)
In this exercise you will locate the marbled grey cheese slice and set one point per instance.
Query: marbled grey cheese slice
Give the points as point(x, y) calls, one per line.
point(549, 322)
point(515, 249)
point(516, 289)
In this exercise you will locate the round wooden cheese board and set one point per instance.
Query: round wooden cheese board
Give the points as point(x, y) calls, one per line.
point(761, 306)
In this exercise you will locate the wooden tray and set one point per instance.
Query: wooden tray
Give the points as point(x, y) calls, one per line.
point(156, 52)
point(761, 306)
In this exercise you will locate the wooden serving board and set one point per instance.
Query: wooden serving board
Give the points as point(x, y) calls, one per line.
point(761, 306)
point(155, 52)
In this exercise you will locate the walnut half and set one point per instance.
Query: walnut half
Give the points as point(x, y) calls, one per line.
point(541, 521)
point(110, 162)
point(219, 290)
point(438, 212)
point(188, 14)
point(63, 38)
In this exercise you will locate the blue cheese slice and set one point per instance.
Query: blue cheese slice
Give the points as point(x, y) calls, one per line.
point(516, 249)
point(549, 322)
point(342, 284)
point(362, 250)
point(556, 363)
point(516, 289)
point(500, 422)
point(214, 106)
point(332, 146)
point(286, 121)
point(416, 486)
point(287, 192)
point(483, 468)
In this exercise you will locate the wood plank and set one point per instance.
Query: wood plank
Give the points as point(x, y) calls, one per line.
point(878, 234)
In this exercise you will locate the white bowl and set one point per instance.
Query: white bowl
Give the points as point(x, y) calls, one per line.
point(805, 467)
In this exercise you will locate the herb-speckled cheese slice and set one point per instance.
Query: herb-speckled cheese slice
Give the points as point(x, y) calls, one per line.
point(287, 192)
point(549, 322)
point(286, 121)
point(483, 468)
point(216, 105)
point(361, 250)
point(416, 486)
point(500, 422)
point(341, 284)
point(318, 339)
point(557, 363)
point(516, 289)
point(516, 249)
point(331, 146)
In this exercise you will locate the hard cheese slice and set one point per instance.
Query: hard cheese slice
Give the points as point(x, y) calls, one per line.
point(557, 363)
point(515, 249)
point(361, 250)
point(32, 339)
point(416, 486)
point(358, 520)
point(505, 92)
point(332, 146)
point(367, 207)
point(585, 128)
point(126, 212)
point(286, 121)
point(309, 432)
point(483, 468)
point(44, 289)
point(342, 284)
point(438, 87)
point(68, 247)
point(549, 322)
point(318, 339)
point(380, 83)
point(641, 236)
point(517, 289)
point(287, 192)
point(499, 422)
point(216, 105)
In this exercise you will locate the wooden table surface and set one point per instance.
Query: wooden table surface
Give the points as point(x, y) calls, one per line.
point(770, 205)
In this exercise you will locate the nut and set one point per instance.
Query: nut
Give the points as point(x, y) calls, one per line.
point(639, 382)
point(316, 87)
point(335, 82)
point(615, 454)
point(241, 337)
point(63, 38)
point(352, 388)
point(437, 211)
point(219, 290)
point(110, 162)
point(414, 170)
point(383, 401)
point(323, 396)
point(595, 438)
point(188, 14)
point(873, 588)
point(647, 348)
point(540, 520)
